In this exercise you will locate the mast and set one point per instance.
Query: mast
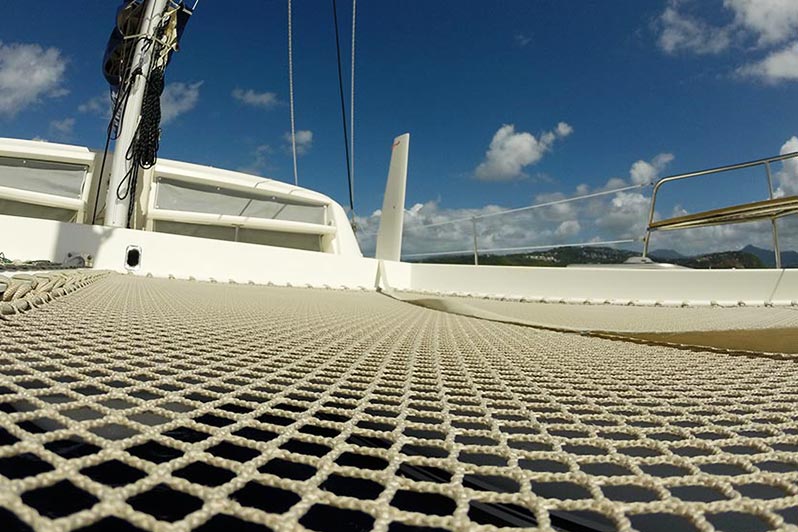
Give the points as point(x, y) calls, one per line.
point(116, 210)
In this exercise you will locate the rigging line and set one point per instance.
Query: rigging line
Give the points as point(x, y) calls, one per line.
point(99, 178)
point(539, 205)
point(343, 109)
point(352, 103)
point(291, 91)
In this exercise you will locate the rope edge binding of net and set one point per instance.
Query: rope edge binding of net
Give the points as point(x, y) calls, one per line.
point(23, 292)
point(587, 301)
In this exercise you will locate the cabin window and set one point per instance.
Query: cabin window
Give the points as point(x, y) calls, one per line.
point(56, 179)
point(181, 196)
point(22, 179)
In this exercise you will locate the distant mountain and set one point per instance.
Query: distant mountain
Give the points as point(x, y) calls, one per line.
point(723, 260)
point(602, 255)
point(552, 257)
point(583, 255)
point(789, 259)
point(665, 254)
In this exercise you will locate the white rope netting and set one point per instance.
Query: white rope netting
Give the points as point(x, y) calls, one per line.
point(179, 405)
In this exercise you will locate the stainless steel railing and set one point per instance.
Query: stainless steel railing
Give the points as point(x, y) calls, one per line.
point(520, 248)
point(759, 162)
point(476, 218)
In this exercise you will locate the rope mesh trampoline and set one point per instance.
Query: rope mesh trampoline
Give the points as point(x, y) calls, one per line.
point(154, 404)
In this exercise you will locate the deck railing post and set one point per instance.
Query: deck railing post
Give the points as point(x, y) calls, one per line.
point(776, 249)
point(474, 232)
point(647, 237)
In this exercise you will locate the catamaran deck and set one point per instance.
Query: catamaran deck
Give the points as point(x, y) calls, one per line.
point(179, 405)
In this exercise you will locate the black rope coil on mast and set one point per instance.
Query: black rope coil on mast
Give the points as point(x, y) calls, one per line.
point(143, 151)
point(148, 136)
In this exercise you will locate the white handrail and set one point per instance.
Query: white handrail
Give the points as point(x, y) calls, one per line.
point(40, 198)
point(45, 151)
point(203, 218)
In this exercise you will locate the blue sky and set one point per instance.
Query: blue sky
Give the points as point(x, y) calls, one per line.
point(623, 90)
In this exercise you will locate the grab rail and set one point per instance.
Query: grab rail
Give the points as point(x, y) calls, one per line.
point(41, 198)
point(759, 162)
point(229, 220)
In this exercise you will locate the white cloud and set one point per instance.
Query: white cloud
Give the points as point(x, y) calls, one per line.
point(787, 177)
point(613, 182)
point(256, 99)
point(510, 152)
point(625, 216)
point(564, 129)
point(771, 21)
point(522, 39)
point(781, 65)
point(644, 172)
point(62, 129)
point(682, 32)
point(493, 232)
point(99, 105)
point(558, 211)
point(568, 228)
point(756, 26)
point(178, 98)
point(768, 22)
point(29, 73)
point(260, 160)
point(304, 141)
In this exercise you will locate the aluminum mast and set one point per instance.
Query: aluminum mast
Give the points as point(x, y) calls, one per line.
point(116, 211)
